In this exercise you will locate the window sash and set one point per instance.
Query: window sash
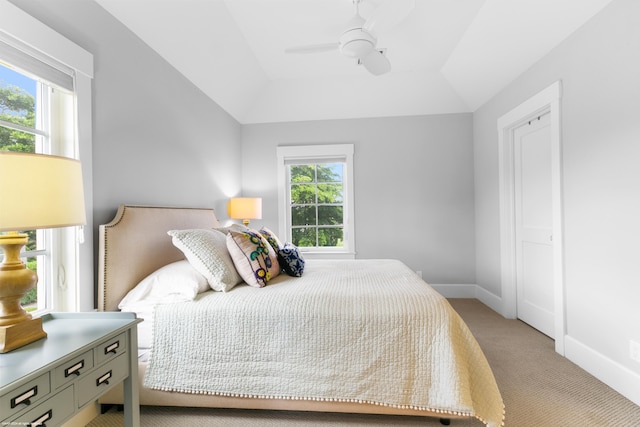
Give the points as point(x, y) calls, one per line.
point(20, 128)
point(318, 154)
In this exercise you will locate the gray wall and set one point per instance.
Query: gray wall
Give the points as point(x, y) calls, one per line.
point(599, 66)
point(413, 186)
point(157, 139)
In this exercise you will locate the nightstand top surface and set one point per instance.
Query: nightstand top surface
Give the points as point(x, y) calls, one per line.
point(66, 333)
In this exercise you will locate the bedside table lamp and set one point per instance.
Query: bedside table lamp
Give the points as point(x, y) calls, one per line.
point(36, 191)
point(245, 208)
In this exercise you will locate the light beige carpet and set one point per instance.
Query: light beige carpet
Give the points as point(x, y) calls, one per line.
point(539, 387)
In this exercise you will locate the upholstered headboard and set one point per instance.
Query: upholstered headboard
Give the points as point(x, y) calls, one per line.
point(135, 244)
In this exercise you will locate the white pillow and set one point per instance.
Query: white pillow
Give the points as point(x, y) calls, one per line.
point(175, 282)
point(206, 250)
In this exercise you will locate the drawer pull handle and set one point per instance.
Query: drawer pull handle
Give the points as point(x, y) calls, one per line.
point(104, 379)
point(24, 398)
point(75, 369)
point(111, 348)
point(39, 422)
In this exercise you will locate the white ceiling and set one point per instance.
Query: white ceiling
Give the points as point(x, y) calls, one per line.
point(447, 56)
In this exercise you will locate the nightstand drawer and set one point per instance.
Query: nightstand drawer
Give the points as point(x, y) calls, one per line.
point(111, 348)
point(102, 379)
point(72, 369)
point(51, 412)
point(25, 395)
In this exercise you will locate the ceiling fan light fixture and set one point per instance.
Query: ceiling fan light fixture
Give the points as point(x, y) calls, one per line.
point(357, 48)
point(376, 62)
point(357, 43)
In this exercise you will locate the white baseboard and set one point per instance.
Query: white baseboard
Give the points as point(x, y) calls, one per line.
point(470, 291)
point(492, 301)
point(618, 377)
point(456, 291)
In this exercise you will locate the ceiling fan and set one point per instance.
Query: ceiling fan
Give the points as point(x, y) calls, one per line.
point(358, 39)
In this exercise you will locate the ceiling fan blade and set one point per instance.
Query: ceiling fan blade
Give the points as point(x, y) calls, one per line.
point(376, 63)
point(316, 48)
point(389, 14)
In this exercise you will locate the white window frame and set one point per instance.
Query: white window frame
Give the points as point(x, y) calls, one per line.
point(73, 265)
point(325, 153)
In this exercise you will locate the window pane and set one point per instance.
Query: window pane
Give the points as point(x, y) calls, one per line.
point(329, 215)
point(330, 237)
point(17, 98)
point(316, 198)
point(32, 243)
point(303, 173)
point(14, 140)
point(330, 172)
point(304, 237)
point(303, 215)
point(30, 301)
point(330, 193)
point(303, 194)
point(18, 106)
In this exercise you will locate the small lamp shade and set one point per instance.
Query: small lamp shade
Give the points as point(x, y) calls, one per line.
point(245, 208)
point(40, 191)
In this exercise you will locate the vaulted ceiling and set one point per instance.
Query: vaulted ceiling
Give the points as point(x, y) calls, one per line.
point(447, 56)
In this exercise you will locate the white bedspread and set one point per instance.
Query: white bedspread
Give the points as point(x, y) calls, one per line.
point(348, 330)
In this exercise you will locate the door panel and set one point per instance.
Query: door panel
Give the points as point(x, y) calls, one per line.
point(535, 273)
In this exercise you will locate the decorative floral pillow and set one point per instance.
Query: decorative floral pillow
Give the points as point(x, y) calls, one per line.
point(253, 256)
point(291, 260)
point(206, 251)
point(271, 238)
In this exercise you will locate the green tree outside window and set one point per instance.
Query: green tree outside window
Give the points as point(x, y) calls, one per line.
point(317, 217)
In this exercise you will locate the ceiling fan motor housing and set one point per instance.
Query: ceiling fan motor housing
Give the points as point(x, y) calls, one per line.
point(356, 43)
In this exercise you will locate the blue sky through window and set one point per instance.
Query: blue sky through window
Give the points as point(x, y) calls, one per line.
point(336, 168)
point(10, 77)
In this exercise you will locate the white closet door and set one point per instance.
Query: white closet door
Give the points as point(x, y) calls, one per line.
point(534, 220)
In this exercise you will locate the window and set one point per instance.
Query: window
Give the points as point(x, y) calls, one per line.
point(33, 119)
point(316, 198)
point(49, 81)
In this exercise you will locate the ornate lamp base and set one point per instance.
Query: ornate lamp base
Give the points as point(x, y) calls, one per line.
point(17, 328)
point(20, 334)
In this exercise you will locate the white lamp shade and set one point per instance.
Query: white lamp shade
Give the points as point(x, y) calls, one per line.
point(245, 208)
point(40, 191)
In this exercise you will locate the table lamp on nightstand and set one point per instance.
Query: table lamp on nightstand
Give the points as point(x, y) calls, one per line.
point(36, 191)
point(245, 208)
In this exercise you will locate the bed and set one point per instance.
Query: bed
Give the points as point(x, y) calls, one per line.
point(359, 336)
